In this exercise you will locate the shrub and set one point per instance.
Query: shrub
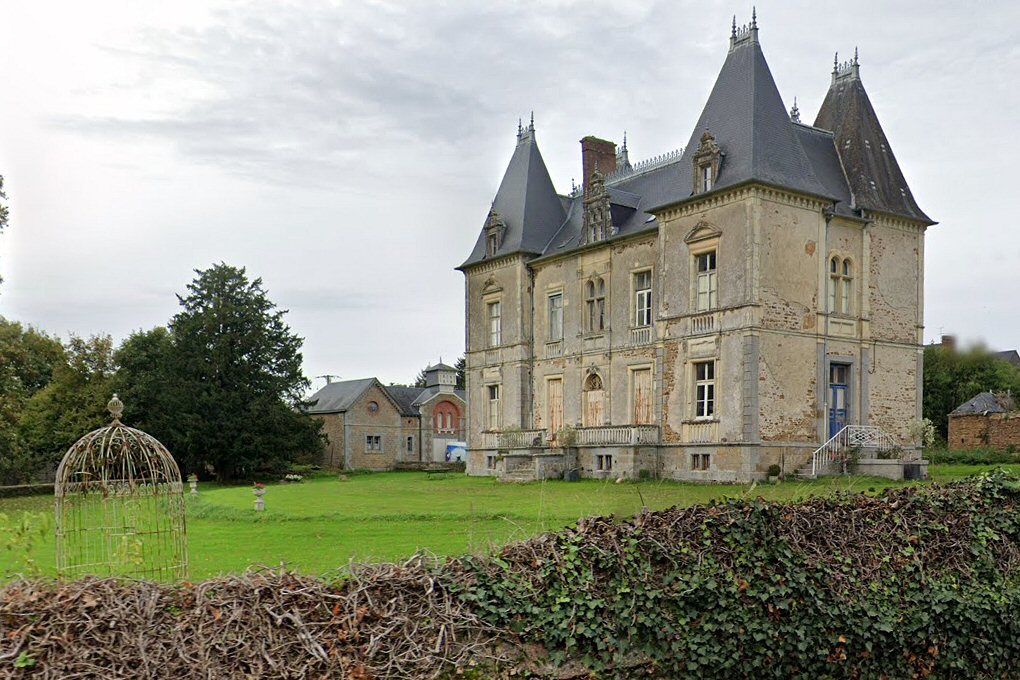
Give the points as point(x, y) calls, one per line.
point(774, 470)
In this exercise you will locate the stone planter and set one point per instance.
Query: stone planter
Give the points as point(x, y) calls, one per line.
point(260, 503)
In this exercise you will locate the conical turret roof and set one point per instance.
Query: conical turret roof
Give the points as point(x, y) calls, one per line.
point(871, 169)
point(746, 116)
point(526, 203)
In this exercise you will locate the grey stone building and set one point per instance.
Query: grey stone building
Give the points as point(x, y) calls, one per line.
point(372, 426)
point(707, 313)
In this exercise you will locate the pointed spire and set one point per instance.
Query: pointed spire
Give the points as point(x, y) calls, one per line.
point(520, 129)
point(847, 70)
point(623, 156)
point(795, 112)
point(748, 33)
point(531, 126)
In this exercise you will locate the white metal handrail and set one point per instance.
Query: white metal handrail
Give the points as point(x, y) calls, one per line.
point(851, 436)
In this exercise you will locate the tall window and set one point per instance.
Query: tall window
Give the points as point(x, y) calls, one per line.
point(594, 398)
point(495, 324)
point(641, 397)
point(595, 297)
point(707, 281)
point(706, 177)
point(494, 410)
point(410, 444)
point(556, 316)
point(840, 279)
point(643, 299)
point(704, 389)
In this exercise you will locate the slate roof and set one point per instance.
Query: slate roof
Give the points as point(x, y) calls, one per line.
point(440, 367)
point(986, 402)
point(760, 143)
point(430, 392)
point(339, 396)
point(1009, 355)
point(526, 202)
point(868, 161)
point(405, 398)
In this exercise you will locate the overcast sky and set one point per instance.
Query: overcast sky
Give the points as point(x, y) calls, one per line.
point(347, 152)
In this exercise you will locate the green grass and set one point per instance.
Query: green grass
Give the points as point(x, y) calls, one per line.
point(319, 525)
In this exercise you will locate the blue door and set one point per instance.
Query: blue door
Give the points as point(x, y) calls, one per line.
point(839, 397)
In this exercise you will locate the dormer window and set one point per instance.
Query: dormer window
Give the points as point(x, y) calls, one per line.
point(494, 230)
point(707, 160)
point(598, 216)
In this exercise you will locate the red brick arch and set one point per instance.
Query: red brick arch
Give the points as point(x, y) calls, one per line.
point(446, 417)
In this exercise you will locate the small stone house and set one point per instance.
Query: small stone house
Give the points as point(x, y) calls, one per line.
point(988, 421)
point(371, 426)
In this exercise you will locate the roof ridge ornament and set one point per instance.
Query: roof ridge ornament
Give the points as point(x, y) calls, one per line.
point(795, 112)
point(848, 70)
point(748, 33)
point(526, 133)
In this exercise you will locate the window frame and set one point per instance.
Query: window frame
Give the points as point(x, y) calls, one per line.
point(494, 317)
point(373, 443)
point(494, 413)
point(595, 304)
point(840, 296)
point(555, 316)
point(642, 298)
point(604, 462)
point(701, 462)
point(710, 277)
point(705, 392)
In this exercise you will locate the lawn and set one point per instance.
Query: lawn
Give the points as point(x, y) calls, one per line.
point(319, 525)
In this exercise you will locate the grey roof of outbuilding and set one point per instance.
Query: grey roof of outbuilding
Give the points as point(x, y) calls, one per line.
point(986, 402)
point(430, 392)
point(868, 161)
point(1010, 355)
point(339, 396)
point(405, 398)
point(440, 367)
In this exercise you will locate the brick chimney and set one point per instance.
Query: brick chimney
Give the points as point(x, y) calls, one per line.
point(949, 342)
point(597, 153)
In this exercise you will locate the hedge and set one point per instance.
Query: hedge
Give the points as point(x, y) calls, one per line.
point(920, 581)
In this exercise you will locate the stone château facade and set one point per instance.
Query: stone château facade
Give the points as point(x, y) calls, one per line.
point(705, 314)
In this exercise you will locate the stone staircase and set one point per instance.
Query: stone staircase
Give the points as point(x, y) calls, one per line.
point(829, 458)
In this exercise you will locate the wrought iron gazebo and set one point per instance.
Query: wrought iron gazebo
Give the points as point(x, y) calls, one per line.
point(120, 506)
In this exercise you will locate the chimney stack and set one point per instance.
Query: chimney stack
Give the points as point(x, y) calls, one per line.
point(597, 153)
point(949, 342)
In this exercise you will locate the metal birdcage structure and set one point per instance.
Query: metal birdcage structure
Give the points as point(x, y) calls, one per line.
point(120, 506)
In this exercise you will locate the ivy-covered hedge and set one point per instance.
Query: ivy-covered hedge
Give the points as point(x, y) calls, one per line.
point(919, 582)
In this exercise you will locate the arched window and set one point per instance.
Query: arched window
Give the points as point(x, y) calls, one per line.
point(594, 401)
point(595, 297)
point(840, 285)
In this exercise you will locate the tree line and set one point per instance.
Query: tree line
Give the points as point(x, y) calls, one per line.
point(220, 385)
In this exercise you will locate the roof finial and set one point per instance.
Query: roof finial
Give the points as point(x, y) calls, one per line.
point(624, 140)
point(531, 127)
point(754, 17)
point(855, 56)
point(733, 32)
point(520, 129)
point(835, 61)
point(795, 112)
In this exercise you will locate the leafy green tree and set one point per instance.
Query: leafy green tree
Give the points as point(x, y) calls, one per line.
point(232, 380)
point(952, 377)
point(72, 404)
point(27, 361)
point(461, 366)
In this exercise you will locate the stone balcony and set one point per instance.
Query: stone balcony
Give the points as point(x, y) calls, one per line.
point(618, 435)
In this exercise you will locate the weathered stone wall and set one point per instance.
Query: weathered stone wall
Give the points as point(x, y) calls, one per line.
point(896, 279)
point(997, 431)
point(893, 395)
point(790, 258)
point(506, 365)
point(333, 428)
point(386, 422)
point(788, 375)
